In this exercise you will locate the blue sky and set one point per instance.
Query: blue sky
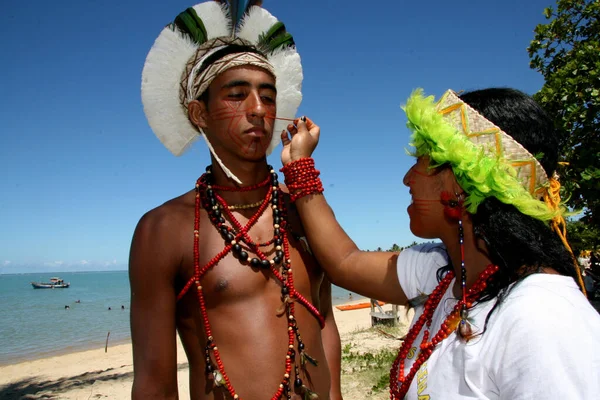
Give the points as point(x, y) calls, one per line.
point(79, 165)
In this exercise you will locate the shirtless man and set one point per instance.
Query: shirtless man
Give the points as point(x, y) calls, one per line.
point(250, 304)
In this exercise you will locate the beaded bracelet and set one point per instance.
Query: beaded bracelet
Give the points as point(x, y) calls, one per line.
point(302, 179)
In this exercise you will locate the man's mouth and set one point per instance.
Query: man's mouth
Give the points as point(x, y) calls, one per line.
point(256, 132)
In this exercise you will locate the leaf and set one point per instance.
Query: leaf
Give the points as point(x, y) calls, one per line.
point(566, 51)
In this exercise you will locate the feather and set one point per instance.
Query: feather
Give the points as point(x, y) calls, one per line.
point(305, 357)
point(237, 10)
point(253, 3)
point(191, 24)
point(276, 37)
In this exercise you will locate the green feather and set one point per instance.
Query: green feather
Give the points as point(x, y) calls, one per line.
point(189, 23)
point(275, 38)
point(284, 40)
point(277, 29)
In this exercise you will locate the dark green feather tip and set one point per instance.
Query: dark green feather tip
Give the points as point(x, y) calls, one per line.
point(276, 37)
point(190, 23)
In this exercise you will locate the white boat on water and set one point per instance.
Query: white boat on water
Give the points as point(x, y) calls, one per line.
point(55, 283)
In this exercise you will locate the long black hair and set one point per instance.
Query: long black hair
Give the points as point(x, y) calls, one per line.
point(517, 243)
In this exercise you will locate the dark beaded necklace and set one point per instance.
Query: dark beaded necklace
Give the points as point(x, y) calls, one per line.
point(239, 243)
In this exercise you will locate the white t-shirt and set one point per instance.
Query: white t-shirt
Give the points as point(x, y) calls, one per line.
point(542, 342)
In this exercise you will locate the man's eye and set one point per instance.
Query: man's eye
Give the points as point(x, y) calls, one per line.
point(236, 95)
point(268, 99)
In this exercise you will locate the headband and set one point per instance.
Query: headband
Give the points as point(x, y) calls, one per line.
point(486, 161)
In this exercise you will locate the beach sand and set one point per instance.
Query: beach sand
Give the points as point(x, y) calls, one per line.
point(94, 374)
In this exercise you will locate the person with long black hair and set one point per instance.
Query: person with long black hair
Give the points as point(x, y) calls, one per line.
point(500, 306)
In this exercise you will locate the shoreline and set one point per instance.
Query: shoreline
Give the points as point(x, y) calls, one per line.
point(82, 348)
point(99, 344)
point(93, 373)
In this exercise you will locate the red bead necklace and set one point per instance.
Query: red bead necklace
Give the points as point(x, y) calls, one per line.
point(279, 266)
point(399, 384)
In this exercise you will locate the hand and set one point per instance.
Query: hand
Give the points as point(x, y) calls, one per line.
point(304, 138)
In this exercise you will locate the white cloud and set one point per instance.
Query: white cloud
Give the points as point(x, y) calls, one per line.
point(8, 266)
point(54, 263)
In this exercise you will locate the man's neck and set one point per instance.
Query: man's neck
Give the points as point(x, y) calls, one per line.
point(249, 173)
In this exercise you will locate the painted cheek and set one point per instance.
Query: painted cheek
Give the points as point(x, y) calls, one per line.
point(233, 113)
point(422, 205)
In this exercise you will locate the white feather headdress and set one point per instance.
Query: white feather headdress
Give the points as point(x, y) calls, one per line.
point(182, 41)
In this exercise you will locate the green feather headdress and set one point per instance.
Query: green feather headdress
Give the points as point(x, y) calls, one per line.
point(485, 160)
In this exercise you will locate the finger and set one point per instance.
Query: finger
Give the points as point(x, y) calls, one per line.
point(310, 125)
point(312, 128)
point(285, 139)
point(292, 129)
point(301, 125)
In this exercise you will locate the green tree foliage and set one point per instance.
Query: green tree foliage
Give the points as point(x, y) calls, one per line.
point(395, 247)
point(582, 236)
point(566, 50)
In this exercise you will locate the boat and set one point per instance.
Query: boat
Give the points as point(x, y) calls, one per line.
point(358, 306)
point(55, 283)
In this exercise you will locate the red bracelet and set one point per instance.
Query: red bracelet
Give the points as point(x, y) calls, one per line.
point(301, 178)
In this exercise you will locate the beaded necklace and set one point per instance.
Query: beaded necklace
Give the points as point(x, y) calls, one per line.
point(235, 237)
point(399, 384)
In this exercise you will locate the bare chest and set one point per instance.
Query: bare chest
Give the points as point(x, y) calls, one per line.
point(227, 275)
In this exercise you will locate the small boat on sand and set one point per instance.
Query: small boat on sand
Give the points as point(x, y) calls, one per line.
point(358, 306)
point(55, 283)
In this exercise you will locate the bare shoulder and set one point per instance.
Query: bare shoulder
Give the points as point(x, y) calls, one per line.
point(157, 237)
point(167, 217)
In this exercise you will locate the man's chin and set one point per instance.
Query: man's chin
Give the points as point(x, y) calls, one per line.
point(254, 155)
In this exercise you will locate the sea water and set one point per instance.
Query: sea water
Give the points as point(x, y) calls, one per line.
point(34, 323)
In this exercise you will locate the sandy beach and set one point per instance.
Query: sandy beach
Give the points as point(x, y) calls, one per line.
point(96, 374)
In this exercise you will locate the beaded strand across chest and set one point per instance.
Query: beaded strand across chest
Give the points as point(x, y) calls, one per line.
point(399, 382)
point(240, 244)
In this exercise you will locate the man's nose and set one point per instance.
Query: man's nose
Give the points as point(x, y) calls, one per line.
point(256, 107)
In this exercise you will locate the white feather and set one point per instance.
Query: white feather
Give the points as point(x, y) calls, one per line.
point(170, 53)
point(257, 22)
point(215, 19)
point(160, 90)
point(288, 72)
point(161, 78)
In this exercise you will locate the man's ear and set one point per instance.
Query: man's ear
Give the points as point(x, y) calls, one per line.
point(198, 114)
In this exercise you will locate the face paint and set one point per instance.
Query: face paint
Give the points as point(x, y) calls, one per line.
point(243, 111)
point(425, 210)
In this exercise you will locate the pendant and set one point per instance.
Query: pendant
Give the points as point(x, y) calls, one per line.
point(219, 381)
point(464, 330)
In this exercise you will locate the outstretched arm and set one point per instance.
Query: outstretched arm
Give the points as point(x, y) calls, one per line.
point(151, 275)
point(371, 274)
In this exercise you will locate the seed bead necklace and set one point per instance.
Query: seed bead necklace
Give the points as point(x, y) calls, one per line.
point(399, 383)
point(279, 266)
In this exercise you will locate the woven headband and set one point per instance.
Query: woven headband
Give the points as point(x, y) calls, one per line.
point(193, 84)
point(486, 161)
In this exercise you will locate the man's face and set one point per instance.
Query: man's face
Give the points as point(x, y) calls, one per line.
point(240, 113)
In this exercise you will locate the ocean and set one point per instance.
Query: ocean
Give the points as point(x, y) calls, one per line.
point(35, 324)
